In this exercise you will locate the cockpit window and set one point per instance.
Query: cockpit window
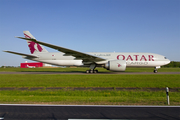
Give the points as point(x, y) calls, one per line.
point(165, 57)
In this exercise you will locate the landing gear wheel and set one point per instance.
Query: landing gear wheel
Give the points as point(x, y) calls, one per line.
point(91, 71)
point(87, 71)
point(95, 71)
point(155, 71)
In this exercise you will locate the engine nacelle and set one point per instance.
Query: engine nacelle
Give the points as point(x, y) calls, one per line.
point(116, 65)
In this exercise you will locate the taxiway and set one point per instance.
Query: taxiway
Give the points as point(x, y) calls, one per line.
point(65, 112)
point(128, 73)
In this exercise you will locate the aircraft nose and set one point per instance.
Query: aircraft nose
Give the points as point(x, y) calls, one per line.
point(168, 61)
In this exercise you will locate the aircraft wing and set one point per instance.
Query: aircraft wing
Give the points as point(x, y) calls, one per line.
point(22, 54)
point(68, 52)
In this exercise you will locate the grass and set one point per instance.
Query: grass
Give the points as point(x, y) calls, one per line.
point(114, 80)
point(82, 97)
point(128, 69)
point(89, 97)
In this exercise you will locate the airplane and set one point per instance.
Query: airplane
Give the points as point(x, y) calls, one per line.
point(109, 60)
point(31, 66)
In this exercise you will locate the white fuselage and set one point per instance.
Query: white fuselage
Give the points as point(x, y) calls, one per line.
point(132, 59)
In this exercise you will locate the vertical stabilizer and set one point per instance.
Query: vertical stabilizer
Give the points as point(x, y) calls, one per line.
point(34, 47)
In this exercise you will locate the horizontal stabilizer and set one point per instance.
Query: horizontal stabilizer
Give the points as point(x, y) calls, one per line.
point(22, 54)
point(31, 39)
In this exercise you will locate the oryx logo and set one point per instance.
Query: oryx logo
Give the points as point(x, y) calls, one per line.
point(33, 46)
point(119, 65)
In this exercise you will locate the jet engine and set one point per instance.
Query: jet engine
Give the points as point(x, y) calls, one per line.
point(116, 65)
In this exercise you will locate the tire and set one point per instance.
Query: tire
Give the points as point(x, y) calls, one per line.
point(155, 71)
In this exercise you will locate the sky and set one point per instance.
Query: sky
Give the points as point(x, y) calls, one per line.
point(91, 26)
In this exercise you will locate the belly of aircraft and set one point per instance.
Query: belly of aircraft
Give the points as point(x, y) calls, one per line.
point(63, 62)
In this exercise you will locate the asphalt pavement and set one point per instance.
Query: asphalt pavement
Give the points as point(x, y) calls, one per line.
point(129, 73)
point(65, 112)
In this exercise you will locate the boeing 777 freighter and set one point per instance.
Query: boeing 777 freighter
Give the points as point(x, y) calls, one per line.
point(68, 57)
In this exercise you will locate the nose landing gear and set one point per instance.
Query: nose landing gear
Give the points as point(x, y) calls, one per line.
point(157, 67)
point(155, 71)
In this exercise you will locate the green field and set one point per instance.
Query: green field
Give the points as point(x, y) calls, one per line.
point(89, 97)
point(84, 69)
point(91, 80)
point(65, 95)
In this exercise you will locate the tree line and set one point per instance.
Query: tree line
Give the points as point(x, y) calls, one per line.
point(173, 64)
point(10, 66)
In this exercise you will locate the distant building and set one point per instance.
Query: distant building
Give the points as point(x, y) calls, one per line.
point(31, 65)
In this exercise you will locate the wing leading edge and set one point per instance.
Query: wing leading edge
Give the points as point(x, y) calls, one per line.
point(68, 52)
point(22, 54)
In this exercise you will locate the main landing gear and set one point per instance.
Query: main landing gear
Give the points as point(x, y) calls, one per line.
point(92, 67)
point(91, 71)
